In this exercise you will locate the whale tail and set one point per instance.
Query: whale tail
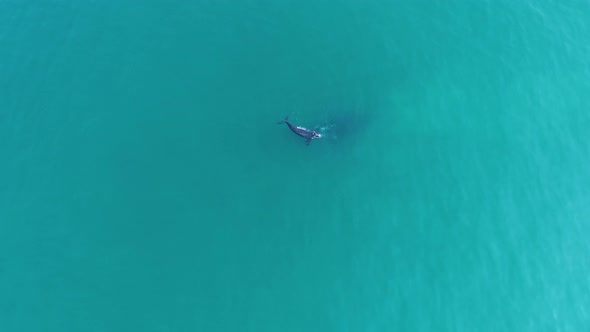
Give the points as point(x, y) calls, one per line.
point(284, 121)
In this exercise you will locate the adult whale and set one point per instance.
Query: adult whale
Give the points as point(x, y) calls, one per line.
point(303, 132)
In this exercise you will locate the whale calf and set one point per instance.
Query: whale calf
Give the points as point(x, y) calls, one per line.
point(303, 132)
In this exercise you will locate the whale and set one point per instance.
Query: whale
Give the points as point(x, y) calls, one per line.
point(308, 134)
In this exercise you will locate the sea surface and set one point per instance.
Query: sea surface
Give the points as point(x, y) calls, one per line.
point(146, 186)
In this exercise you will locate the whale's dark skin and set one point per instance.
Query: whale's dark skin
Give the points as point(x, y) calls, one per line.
point(303, 132)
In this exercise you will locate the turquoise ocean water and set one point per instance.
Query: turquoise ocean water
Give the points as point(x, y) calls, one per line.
point(145, 185)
